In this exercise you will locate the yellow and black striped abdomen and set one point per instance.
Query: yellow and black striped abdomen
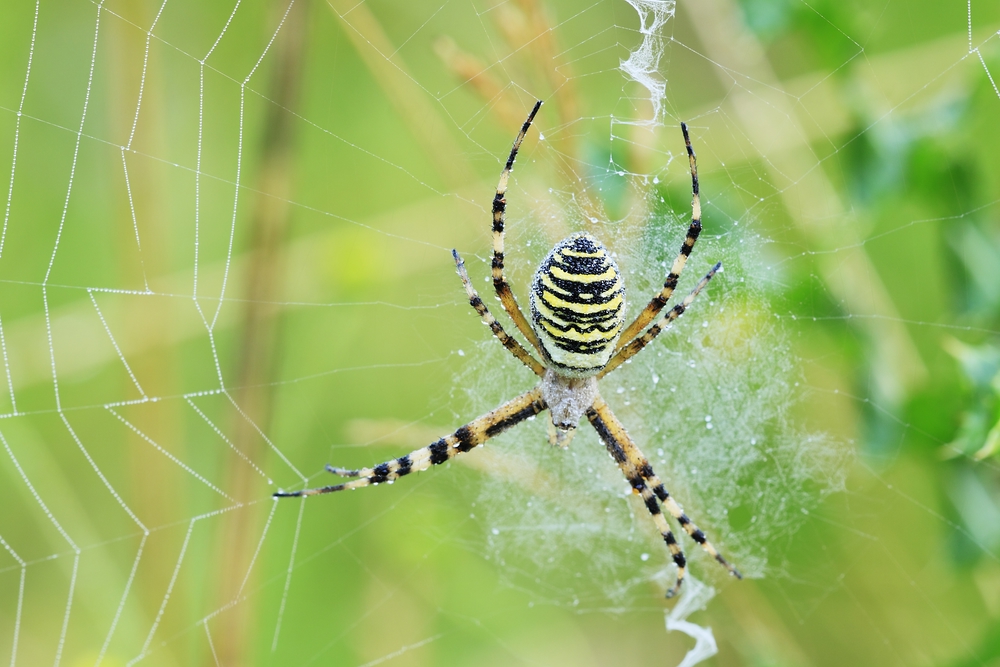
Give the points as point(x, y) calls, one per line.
point(578, 305)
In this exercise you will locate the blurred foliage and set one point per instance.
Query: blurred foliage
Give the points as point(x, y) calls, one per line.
point(979, 432)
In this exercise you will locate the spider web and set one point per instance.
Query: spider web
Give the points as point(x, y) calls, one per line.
point(225, 261)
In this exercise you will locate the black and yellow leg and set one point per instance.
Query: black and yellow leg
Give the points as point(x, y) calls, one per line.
point(642, 478)
point(657, 303)
point(499, 211)
point(691, 529)
point(636, 344)
point(606, 429)
point(473, 434)
point(512, 344)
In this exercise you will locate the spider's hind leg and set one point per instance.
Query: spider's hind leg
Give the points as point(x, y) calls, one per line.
point(509, 342)
point(500, 284)
point(660, 299)
point(636, 344)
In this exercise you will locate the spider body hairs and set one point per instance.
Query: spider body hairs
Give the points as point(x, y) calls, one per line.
point(578, 329)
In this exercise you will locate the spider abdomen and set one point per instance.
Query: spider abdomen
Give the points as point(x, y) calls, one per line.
point(578, 305)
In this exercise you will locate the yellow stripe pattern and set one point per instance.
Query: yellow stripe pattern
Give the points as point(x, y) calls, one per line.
point(578, 305)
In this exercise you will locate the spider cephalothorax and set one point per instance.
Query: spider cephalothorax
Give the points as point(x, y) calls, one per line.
point(578, 328)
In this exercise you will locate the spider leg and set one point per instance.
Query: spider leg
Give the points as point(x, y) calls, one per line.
point(636, 344)
point(512, 344)
point(670, 284)
point(343, 472)
point(500, 283)
point(642, 478)
point(634, 476)
point(473, 434)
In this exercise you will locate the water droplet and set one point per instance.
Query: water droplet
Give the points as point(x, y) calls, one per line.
point(461, 353)
point(495, 531)
point(644, 557)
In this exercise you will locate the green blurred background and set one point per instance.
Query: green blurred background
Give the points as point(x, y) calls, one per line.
point(225, 259)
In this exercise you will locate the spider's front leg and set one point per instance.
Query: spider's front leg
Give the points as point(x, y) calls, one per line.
point(473, 434)
point(645, 482)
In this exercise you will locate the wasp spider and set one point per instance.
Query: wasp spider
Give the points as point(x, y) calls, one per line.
point(578, 329)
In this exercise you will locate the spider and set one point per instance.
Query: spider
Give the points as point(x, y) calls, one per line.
point(578, 329)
